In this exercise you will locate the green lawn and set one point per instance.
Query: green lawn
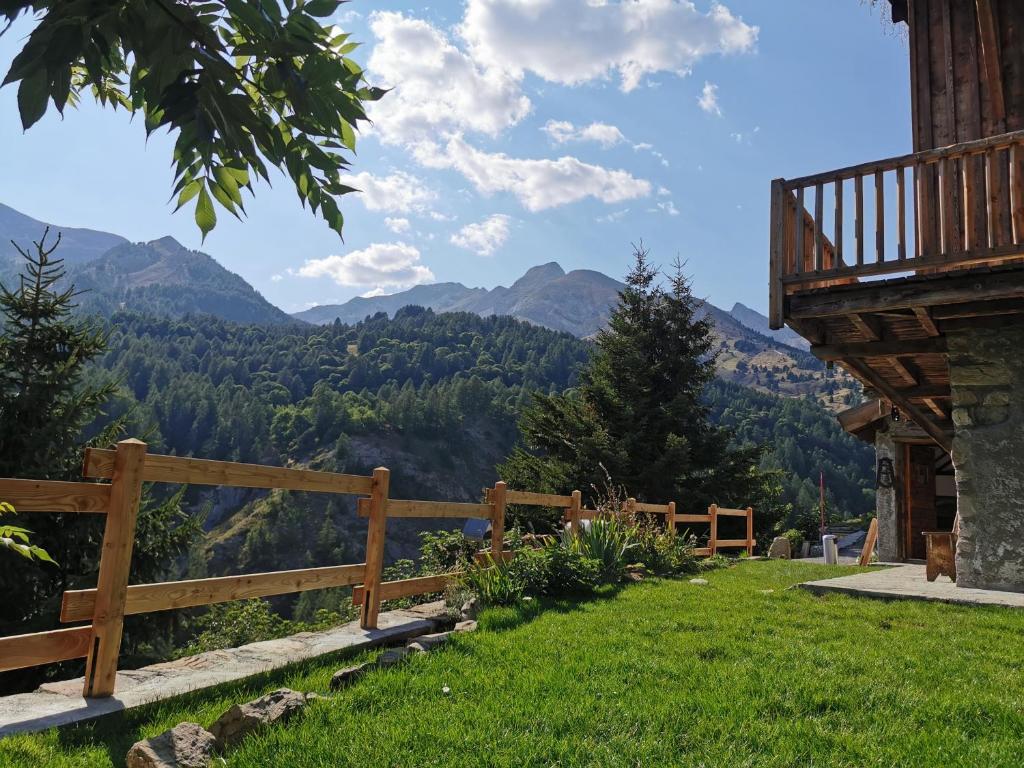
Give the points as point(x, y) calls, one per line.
point(742, 672)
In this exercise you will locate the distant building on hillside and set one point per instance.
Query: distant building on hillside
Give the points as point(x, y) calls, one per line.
point(909, 273)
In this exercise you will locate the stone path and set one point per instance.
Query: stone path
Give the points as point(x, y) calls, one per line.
point(908, 582)
point(55, 704)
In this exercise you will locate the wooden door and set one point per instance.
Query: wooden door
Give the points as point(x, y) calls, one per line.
point(919, 501)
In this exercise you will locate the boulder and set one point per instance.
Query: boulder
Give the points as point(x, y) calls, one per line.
point(466, 626)
point(348, 675)
point(780, 549)
point(392, 657)
point(470, 609)
point(186, 745)
point(242, 719)
point(425, 643)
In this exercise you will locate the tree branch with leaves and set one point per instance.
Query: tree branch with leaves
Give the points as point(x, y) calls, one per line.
point(246, 86)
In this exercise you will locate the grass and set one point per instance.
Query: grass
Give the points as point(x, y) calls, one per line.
point(742, 672)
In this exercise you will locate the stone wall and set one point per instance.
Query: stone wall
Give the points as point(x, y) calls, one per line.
point(886, 509)
point(987, 374)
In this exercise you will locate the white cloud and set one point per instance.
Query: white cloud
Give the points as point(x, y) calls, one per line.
point(708, 99)
point(538, 184)
point(664, 192)
point(276, 278)
point(484, 237)
point(437, 87)
point(562, 131)
point(399, 192)
point(379, 266)
point(574, 41)
point(613, 217)
point(667, 206)
point(397, 225)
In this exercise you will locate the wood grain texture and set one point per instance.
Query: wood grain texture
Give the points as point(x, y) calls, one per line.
point(869, 543)
point(375, 532)
point(53, 496)
point(497, 505)
point(422, 585)
point(22, 651)
point(720, 543)
point(78, 605)
point(724, 512)
point(686, 518)
point(538, 499)
point(188, 471)
point(115, 563)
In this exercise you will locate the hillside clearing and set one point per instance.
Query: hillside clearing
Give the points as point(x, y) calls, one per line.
point(742, 671)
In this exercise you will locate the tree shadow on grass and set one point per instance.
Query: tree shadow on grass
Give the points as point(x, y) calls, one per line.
point(506, 617)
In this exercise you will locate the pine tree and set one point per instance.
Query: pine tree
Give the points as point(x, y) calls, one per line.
point(639, 414)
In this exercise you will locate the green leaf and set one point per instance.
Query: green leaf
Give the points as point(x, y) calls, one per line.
point(321, 7)
point(190, 190)
point(206, 217)
point(32, 95)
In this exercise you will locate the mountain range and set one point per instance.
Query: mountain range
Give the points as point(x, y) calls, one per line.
point(163, 277)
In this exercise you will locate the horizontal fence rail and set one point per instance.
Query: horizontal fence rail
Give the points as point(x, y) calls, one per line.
point(129, 466)
point(931, 211)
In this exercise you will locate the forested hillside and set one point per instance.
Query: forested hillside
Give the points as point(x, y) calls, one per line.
point(433, 396)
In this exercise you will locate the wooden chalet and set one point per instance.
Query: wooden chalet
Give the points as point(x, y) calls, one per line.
point(909, 273)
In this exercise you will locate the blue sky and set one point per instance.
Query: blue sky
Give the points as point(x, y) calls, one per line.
point(520, 132)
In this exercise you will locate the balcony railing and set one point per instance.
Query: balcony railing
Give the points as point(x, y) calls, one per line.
point(964, 207)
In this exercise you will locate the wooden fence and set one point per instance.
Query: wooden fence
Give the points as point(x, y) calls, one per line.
point(129, 466)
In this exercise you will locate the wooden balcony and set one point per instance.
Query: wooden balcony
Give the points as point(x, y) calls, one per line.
point(873, 263)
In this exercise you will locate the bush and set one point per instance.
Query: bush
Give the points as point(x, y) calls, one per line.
point(609, 541)
point(444, 551)
point(661, 552)
point(796, 541)
point(569, 572)
point(494, 582)
point(531, 569)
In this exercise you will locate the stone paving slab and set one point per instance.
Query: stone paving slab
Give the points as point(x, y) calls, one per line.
point(908, 582)
point(61, 703)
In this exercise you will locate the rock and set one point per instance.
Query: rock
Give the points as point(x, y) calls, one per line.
point(348, 675)
point(466, 626)
point(186, 745)
point(392, 657)
point(425, 643)
point(314, 696)
point(780, 549)
point(243, 719)
point(699, 582)
point(470, 609)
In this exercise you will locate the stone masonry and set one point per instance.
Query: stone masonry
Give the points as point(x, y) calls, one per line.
point(986, 369)
point(886, 509)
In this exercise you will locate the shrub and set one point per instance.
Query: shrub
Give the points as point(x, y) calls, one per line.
point(531, 569)
point(608, 540)
point(796, 541)
point(661, 552)
point(444, 551)
point(494, 582)
point(569, 572)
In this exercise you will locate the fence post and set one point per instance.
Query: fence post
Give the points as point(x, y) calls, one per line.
point(575, 513)
point(115, 563)
point(630, 508)
point(375, 530)
point(750, 531)
point(713, 541)
point(670, 519)
point(498, 521)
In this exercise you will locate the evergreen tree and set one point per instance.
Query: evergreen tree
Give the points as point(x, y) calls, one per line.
point(639, 414)
point(48, 406)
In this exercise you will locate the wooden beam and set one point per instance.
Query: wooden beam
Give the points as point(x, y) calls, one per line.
point(188, 471)
point(54, 496)
point(907, 293)
point(890, 348)
point(977, 309)
point(20, 651)
point(858, 417)
point(934, 391)
point(898, 398)
point(406, 508)
point(870, 328)
point(869, 543)
point(902, 371)
point(925, 319)
point(422, 585)
point(937, 409)
point(990, 53)
point(78, 605)
point(536, 499)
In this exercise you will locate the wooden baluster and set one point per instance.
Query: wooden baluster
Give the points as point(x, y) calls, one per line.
point(901, 212)
point(375, 532)
point(799, 224)
point(498, 520)
point(945, 209)
point(970, 195)
point(713, 539)
point(777, 266)
point(858, 220)
point(750, 531)
point(999, 228)
point(115, 564)
point(919, 211)
point(879, 217)
point(1017, 192)
point(575, 512)
point(670, 519)
point(838, 242)
point(819, 227)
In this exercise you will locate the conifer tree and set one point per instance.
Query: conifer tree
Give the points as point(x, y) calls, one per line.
point(639, 415)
